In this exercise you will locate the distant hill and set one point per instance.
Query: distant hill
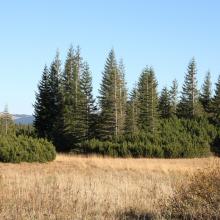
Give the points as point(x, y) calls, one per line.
point(23, 119)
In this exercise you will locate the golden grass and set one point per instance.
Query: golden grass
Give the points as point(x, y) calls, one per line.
point(77, 187)
point(198, 197)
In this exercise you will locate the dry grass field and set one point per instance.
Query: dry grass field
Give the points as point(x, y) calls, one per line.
point(74, 187)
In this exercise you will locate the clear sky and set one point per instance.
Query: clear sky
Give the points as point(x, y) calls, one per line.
point(164, 34)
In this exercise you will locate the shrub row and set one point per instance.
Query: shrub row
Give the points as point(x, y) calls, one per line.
point(140, 149)
point(16, 149)
point(176, 138)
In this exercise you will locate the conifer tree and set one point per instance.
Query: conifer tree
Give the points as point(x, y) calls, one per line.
point(55, 100)
point(6, 122)
point(148, 101)
point(72, 101)
point(77, 73)
point(165, 104)
point(68, 101)
point(68, 87)
point(110, 99)
point(42, 125)
point(189, 106)
point(216, 103)
point(122, 98)
point(89, 116)
point(205, 95)
point(174, 97)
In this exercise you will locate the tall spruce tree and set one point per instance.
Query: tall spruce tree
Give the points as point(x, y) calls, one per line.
point(216, 103)
point(6, 122)
point(174, 97)
point(55, 101)
point(72, 101)
point(206, 93)
point(42, 109)
point(110, 99)
point(122, 98)
point(148, 101)
point(89, 114)
point(68, 100)
point(189, 106)
point(165, 104)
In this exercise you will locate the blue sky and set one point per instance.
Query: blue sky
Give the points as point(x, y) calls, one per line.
point(162, 34)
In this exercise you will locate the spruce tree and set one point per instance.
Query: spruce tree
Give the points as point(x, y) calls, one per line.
point(122, 98)
point(189, 106)
point(72, 101)
point(55, 101)
point(148, 101)
point(174, 97)
point(206, 93)
point(42, 125)
point(6, 122)
point(110, 99)
point(216, 103)
point(68, 101)
point(165, 104)
point(153, 101)
point(68, 87)
point(89, 115)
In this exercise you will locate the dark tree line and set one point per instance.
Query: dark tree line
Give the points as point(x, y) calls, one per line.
point(120, 123)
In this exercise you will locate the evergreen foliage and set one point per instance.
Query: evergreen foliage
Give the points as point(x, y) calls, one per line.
point(25, 130)
point(122, 98)
point(148, 101)
point(165, 104)
point(189, 106)
point(132, 113)
point(55, 101)
point(15, 149)
point(190, 138)
point(47, 107)
point(6, 122)
point(174, 97)
point(73, 123)
point(216, 104)
point(112, 99)
point(206, 94)
point(19, 143)
point(42, 106)
point(141, 125)
point(88, 102)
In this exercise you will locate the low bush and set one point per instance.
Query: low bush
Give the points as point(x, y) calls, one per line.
point(16, 149)
point(196, 198)
point(175, 138)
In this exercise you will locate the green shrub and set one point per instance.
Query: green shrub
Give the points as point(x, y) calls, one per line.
point(176, 138)
point(16, 149)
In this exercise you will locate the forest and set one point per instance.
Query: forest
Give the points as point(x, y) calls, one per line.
point(141, 123)
point(118, 123)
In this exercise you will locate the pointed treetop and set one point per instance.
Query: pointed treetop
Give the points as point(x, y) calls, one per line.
point(70, 52)
point(192, 65)
point(217, 89)
point(6, 109)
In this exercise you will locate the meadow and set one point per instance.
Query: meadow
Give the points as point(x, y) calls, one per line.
point(79, 187)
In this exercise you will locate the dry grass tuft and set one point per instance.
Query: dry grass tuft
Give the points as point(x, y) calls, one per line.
point(91, 188)
point(197, 197)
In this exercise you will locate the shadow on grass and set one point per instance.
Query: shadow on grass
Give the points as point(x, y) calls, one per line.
point(133, 215)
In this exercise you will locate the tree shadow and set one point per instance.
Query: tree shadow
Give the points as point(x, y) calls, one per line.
point(132, 215)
